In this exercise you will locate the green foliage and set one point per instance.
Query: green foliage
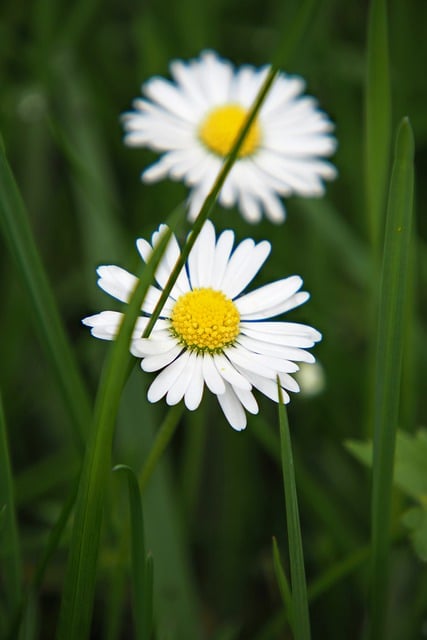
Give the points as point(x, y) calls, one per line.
point(410, 476)
point(71, 198)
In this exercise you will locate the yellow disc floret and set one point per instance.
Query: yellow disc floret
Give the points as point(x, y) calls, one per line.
point(221, 126)
point(205, 320)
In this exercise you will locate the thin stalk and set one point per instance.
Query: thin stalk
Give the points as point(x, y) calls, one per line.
point(162, 440)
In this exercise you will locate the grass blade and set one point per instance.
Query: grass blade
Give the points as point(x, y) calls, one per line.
point(79, 588)
point(300, 615)
point(282, 581)
point(142, 596)
point(392, 306)
point(378, 119)
point(10, 553)
point(19, 238)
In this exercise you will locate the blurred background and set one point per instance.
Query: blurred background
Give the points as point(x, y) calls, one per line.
point(68, 71)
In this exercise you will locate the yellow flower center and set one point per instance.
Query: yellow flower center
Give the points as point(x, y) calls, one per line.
point(221, 127)
point(205, 320)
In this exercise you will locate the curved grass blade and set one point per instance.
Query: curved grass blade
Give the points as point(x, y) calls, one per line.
point(79, 588)
point(142, 589)
point(389, 353)
point(300, 614)
point(378, 120)
point(10, 552)
point(20, 241)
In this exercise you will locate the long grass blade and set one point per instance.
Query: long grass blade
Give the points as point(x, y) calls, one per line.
point(378, 120)
point(10, 552)
point(142, 596)
point(20, 241)
point(392, 305)
point(300, 614)
point(80, 579)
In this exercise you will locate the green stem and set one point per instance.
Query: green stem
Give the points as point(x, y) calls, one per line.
point(162, 440)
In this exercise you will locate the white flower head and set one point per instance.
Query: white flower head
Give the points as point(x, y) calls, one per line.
point(209, 332)
point(194, 120)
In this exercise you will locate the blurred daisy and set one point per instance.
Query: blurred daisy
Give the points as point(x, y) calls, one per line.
point(194, 122)
point(209, 332)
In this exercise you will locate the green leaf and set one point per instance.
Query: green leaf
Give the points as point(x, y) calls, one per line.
point(410, 468)
point(142, 588)
point(415, 520)
point(300, 615)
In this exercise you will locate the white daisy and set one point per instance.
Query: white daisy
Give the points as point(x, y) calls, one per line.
point(195, 120)
point(208, 331)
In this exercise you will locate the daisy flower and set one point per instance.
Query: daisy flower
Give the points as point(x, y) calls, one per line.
point(209, 332)
point(194, 122)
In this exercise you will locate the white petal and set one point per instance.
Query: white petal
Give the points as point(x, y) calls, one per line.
point(214, 381)
point(160, 360)
point(179, 387)
point(184, 75)
point(250, 207)
point(272, 349)
point(242, 270)
point(268, 387)
point(149, 346)
point(117, 282)
point(232, 409)
point(247, 399)
point(201, 258)
point(161, 384)
point(170, 98)
point(151, 299)
point(288, 382)
point(229, 373)
point(215, 75)
point(105, 325)
point(223, 249)
point(263, 365)
point(194, 393)
point(271, 299)
point(282, 331)
point(167, 262)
